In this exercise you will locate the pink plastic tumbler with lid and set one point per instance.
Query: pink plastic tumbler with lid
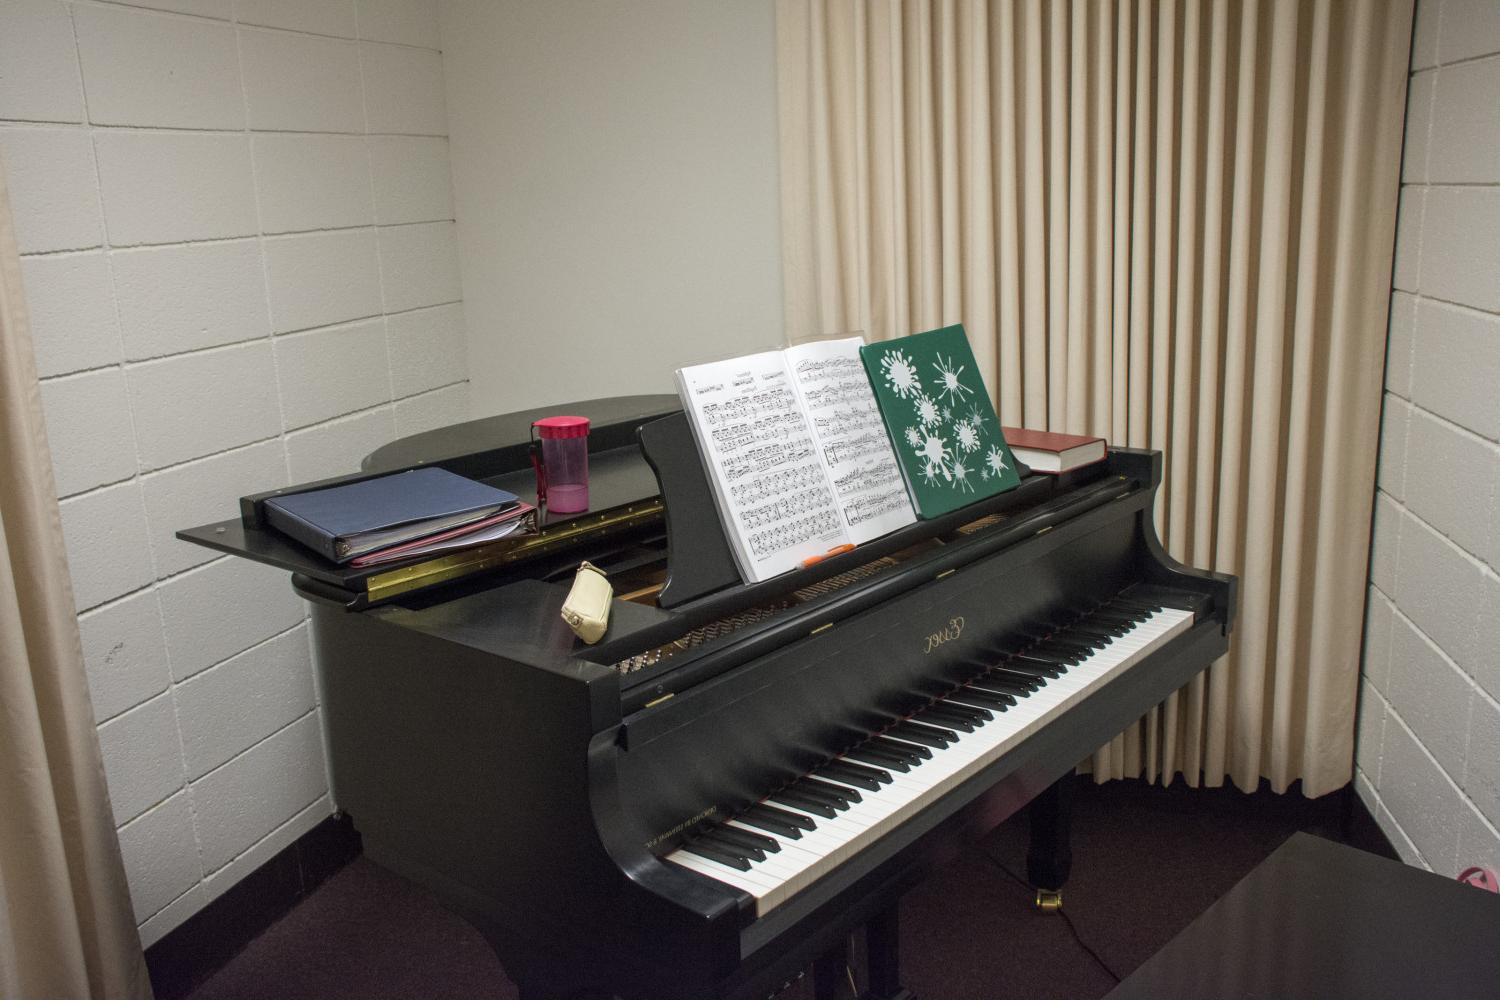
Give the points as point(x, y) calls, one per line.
point(562, 475)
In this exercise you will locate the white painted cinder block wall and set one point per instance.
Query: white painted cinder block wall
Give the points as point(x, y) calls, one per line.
point(238, 252)
point(1429, 724)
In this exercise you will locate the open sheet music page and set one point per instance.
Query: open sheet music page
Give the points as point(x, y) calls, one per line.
point(851, 436)
point(773, 493)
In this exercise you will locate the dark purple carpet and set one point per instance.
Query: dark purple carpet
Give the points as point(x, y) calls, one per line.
point(1146, 862)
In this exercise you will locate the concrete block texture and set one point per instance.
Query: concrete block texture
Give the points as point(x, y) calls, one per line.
point(428, 349)
point(419, 266)
point(1450, 476)
point(336, 447)
point(105, 533)
point(407, 22)
point(244, 800)
point(432, 409)
point(201, 190)
point(182, 410)
point(125, 653)
point(1438, 588)
point(1455, 365)
point(1469, 29)
point(142, 757)
point(169, 187)
point(412, 179)
point(54, 196)
point(313, 182)
point(331, 372)
point(229, 708)
point(204, 490)
point(145, 68)
point(181, 298)
point(319, 17)
point(317, 279)
point(39, 80)
point(1465, 124)
point(1436, 540)
point(403, 89)
point(72, 312)
point(216, 611)
point(91, 446)
point(1424, 799)
point(161, 855)
point(1460, 242)
point(302, 83)
point(1432, 695)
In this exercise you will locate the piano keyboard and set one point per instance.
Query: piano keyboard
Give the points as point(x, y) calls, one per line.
point(802, 832)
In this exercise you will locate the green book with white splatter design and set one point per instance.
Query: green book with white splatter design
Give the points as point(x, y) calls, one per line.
point(942, 425)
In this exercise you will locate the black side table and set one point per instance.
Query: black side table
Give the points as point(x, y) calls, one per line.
point(1321, 921)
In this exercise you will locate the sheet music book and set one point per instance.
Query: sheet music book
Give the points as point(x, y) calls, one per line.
point(796, 452)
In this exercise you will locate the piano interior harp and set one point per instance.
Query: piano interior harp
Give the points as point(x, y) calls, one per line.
point(737, 777)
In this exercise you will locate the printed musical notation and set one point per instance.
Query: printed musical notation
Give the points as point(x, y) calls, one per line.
point(867, 479)
point(852, 437)
point(773, 492)
point(876, 505)
point(791, 534)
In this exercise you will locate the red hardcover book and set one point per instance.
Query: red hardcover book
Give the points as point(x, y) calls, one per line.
point(1045, 451)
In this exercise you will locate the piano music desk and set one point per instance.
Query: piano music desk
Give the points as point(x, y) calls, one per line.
point(1321, 921)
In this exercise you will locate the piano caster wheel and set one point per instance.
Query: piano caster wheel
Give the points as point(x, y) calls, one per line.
point(1048, 902)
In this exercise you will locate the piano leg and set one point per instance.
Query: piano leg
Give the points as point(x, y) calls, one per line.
point(883, 942)
point(1051, 854)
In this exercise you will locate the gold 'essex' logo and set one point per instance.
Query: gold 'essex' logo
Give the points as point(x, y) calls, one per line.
point(948, 633)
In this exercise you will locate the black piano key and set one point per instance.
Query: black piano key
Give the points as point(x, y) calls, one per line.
point(993, 700)
point(951, 720)
point(1121, 619)
point(973, 713)
point(1092, 633)
point(808, 803)
point(917, 754)
point(1133, 604)
point(1086, 645)
point(714, 853)
point(730, 845)
point(927, 736)
point(842, 793)
point(1032, 673)
point(1047, 665)
point(877, 759)
point(868, 778)
point(1114, 626)
point(1060, 652)
point(744, 838)
point(999, 686)
point(764, 814)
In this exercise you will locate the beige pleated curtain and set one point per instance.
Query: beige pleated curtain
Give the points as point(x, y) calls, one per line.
point(66, 927)
point(1170, 224)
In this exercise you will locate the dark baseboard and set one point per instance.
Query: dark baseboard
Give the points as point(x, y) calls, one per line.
point(183, 959)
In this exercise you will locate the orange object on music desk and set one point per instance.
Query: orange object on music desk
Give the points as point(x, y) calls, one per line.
point(836, 550)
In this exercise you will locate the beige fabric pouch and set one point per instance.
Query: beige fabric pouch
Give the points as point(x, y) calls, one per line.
point(587, 608)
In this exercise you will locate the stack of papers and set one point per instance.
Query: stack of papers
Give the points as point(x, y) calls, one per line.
point(397, 516)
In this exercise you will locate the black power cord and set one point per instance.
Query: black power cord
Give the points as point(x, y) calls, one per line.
point(1060, 912)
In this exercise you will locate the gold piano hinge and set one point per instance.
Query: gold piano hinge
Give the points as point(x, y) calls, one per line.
point(821, 628)
point(1043, 531)
point(505, 550)
point(663, 698)
point(946, 572)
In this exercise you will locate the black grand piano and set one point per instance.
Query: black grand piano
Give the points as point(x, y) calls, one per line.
point(737, 777)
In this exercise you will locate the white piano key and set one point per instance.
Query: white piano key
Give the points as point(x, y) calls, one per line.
point(802, 862)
